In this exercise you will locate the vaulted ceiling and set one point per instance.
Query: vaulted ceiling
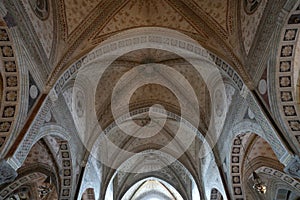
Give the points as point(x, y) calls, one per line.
point(57, 33)
point(67, 29)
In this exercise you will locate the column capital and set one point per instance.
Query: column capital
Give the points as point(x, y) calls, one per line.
point(293, 167)
point(7, 173)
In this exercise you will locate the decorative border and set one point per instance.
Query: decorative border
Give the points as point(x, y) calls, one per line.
point(282, 176)
point(18, 183)
point(285, 87)
point(31, 137)
point(66, 161)
point(151, 39)
point(236, 168)
point(66, 184)
point(10, 77)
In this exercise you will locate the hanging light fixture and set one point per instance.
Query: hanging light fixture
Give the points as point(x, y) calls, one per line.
point(258, 185)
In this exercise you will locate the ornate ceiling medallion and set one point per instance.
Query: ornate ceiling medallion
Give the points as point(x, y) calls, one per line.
point(40, 8)
point(250, 6)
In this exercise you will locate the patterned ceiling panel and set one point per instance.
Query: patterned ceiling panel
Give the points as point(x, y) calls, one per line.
point(137, 13)
point(261, 148)
point(39, 153)
point(152, 93)
point(217, 9)
point(251, 14)
point(77, 11)
point(41, 17)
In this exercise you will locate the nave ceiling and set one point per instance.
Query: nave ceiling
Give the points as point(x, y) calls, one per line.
point(72, 28)
point(55, 37)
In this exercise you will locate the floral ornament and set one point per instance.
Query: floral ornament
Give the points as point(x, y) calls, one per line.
point(295, 125)
point(286, 96)
point(10, 66)
point(11, 96)
point(237, 190)
point(67, 182)
point(285, 81)
point(67, 172)
point(236, 150)
point(65, 155)
point(7, 51)
point(276, 173)
point(236, 179)
point(63, 147)
point(12, 81)
point(235, 159)
point(235, 169)
point(289, 110)
point(9, 112)
point(290, 34)
point(286, 51)
point(285, 66)
point(66, 192)
point(4, 126)
point(3, 35)
point(66, 163)
point(237, 142)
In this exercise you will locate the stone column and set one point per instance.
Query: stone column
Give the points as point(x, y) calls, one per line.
point(7, 173)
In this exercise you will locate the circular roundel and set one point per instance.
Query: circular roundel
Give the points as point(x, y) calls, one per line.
point(262, 86)
point(250, 6)
point(40, 8)
point(33, 92)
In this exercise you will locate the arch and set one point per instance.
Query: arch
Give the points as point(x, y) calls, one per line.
point(177, 171)
point(29, 174)
point(155, 38)
point(170, 115)
point(236, 175)
point(168, 191)
point(285, 102)
point(248, 126)
point(182, 189)
point(284, 178)
point(64, 150)
point(31, 138)
point(237, 158)
point(284, 194)
point(92, 177)
point(10, 73)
